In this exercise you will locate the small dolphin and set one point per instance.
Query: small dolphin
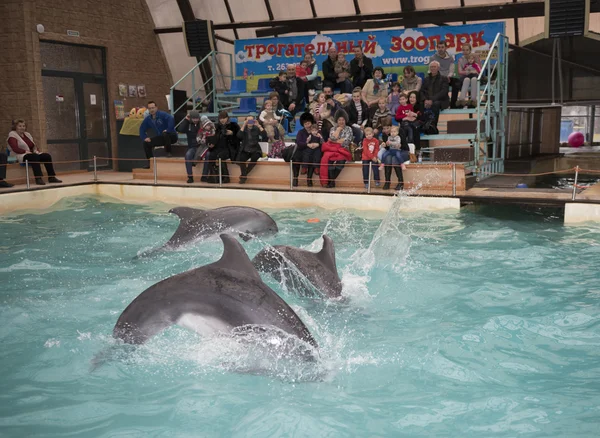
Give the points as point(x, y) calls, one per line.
point(196, 224)
point(226, 296)
point(318, 268)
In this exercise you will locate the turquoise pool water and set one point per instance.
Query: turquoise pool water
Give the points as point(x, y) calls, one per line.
point(479, 323)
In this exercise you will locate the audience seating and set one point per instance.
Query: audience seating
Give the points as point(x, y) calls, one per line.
point(237, 86)
point(247, 105)
point(263, 86)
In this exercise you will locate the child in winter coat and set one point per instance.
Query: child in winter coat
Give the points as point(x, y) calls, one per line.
point(370, 150)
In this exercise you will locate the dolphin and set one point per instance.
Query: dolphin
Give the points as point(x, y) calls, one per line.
point(319, 269)
point(196, 224)
point(226, 296)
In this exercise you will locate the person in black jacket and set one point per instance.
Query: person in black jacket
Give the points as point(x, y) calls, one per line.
point(358, 115)
point(361, 68)
point(292, 101)
point(434, 92)
point(280, 85)
point(328, 68)
point(249, 148)
point(226, 134)
point(190, 127)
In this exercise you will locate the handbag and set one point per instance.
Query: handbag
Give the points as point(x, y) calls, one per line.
point(276, 149)
point(288, 153)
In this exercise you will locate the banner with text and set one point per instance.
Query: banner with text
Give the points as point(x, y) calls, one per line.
point(264, 57)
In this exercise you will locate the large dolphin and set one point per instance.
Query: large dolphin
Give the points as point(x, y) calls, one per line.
point(225, 296)
point(195, 224)
point(319, 269)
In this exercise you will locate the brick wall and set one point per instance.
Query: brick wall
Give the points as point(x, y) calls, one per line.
point(123, 28)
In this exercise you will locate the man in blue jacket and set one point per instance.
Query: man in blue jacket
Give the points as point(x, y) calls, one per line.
point(158, 129)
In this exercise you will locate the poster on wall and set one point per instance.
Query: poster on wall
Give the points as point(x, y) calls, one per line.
point(141, 89)
point(119, 109)
point(132, 91)
point(123, 90)
point(391, 49)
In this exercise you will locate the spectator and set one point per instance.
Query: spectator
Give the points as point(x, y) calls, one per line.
point(301, 70)
point(226, 135)
point(375, 88)
point(3, 164)
point(385, 133)
point(330, 77)
point(308, 151)
point(250, 147)
point(190, 126)
point(315, 108)
point(470, 72)
point(326, 115)
point(446, 69)
point(410, 81)
point(270, 120)
point(396, 157)
point(294, 98)
point(20, 143)
point(280, 85)
point(328, 91)
point(312, 77)
point(162, 131)
point(370, 150)
point(342, 70)
point(361, 68)
point(358, 114)
point(434, 93)
point(336, 151)
point(394, 98)
point(381, 117)
point(217, 149)
point(411, 123)
point(278, 106)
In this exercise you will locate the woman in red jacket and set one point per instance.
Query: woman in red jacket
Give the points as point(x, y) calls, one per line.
point(20, 143)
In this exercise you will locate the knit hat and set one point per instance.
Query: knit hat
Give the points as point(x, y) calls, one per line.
point(194, 114)
point(204, 120)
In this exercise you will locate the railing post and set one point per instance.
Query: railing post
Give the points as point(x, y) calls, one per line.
point(370, 177)
point(453, 179)
point(575, 183)
point(155, 170)
point(95, 170)
point(27, 173)
point(291, 175)
point(220, 174)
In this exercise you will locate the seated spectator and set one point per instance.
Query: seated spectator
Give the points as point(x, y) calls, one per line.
point(446, 68)
point(375, 88)
point(393, 99)
point(190, 126)
point(226, 135)
point(250, 149)
point(336, 151)
point(468, 69)
point(21, 144)
point(381, 117)
point(330, 98)
point(293, 100)
point(385, 133)
point(218, 148)
point(342, 70)
point(410, 81)
point(358, 114)
point(330, 77)
point(308, 152)
point(3, 164)
point(315, 108)
point(326, 114)
point(302, 70)
point(411, 124)
point(396, 156)
point(158, 129)
point(280, 85)
point(434, 93)
point(370, 150)
point(312, 78)
point(361, 68)
point(271, 121)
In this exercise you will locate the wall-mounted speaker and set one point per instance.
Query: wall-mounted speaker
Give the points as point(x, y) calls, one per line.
point(199, 37)
point(566, 18)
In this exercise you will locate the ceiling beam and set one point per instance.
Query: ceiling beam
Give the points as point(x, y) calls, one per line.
point(231, 20)
point(282, 30)
point(534, 8)
point(313, 10)
point(225, 40)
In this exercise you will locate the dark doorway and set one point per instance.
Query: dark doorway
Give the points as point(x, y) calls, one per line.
point(76, 104)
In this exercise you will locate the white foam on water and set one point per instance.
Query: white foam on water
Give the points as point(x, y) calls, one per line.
point(73, 234)
point(31, 265)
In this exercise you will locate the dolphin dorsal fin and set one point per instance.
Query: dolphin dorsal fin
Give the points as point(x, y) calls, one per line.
point(235, 257)
point(327, 254)
point(185, 213)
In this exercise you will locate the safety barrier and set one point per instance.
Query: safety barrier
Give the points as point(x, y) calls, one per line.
point(440, 177)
